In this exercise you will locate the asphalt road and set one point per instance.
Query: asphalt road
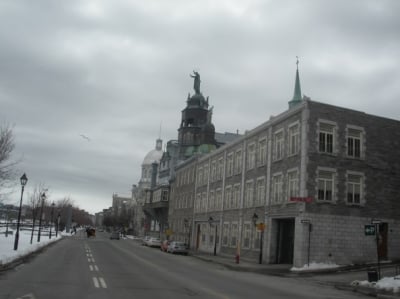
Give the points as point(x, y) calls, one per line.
point(99, 268)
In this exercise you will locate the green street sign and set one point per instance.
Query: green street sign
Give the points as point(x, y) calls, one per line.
point(369, 230)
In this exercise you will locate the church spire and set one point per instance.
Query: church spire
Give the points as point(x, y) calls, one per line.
point(297, 90)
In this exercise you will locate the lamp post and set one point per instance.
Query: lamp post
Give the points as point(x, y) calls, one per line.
point(43, 197)
point(52, 213)
point(8, 219)
point(186, 224)
point(210, 221)
point(23, 180)
point(58, 223)
point(261, 228)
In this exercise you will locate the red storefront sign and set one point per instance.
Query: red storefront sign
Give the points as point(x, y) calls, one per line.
point(301, 199)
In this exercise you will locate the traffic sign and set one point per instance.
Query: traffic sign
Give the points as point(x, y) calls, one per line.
point(369, 230)
point(261, 226)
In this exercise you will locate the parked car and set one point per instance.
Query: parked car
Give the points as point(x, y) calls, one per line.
point(177, 247)
point(144, 240)
point(115, 236)
point(154, 242)
point(164, 245)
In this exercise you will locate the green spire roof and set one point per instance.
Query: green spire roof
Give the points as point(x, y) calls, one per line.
point(297, 90)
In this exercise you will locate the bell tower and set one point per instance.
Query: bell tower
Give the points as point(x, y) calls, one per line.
point(196, 133)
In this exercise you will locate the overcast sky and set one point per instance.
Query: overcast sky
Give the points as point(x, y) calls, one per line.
point(115, 70)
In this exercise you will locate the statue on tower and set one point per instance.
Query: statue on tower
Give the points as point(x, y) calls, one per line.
point(196, 85)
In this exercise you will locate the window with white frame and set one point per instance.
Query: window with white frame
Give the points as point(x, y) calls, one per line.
point(213, 175)
point(354, 143)
point(354, 188)
point(294, 139)
point(326, 185)
point(225, 235)
point(278, 145)
point(218, 199)
point(200, 176)
point(246, 235)
point(326, 137)
point(236, 196)
point(248, 198)
point(238, 162)
point(260, 195)
point(262, 152)
point(198, 202)
point(229, 165)
point(234, 234)
point(211, 201)
point(228, 195)
point(251, 156)
point(205, 176)
point(204, 202)
point(293, 183)
point(220, 168)
point(277, 185)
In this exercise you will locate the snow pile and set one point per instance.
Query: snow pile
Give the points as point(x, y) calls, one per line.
point(391, 284)
point(315, 266)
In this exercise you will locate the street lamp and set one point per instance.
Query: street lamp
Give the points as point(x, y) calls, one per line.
point(261, 227)
point(210, 221)
point(51, 223)
point(58, 223)
point(23, 180)
point(185, 225)
point(43, 197)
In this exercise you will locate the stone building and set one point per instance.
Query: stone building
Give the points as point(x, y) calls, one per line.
point(301, 187)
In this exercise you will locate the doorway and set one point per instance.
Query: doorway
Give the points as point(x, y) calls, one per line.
point(285, 241)
point(383, 240)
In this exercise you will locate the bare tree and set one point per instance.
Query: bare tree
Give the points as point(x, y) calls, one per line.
point(7, 146)
point(35, 203)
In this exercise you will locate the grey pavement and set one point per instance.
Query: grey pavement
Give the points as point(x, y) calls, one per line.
point(340, 278)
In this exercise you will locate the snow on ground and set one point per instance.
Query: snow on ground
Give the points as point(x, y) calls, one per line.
point(391, 284)
point(315, 266)
point(7, 252)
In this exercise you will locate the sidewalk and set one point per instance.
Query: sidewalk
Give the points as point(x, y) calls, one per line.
point(344, 278)
point(245, 265)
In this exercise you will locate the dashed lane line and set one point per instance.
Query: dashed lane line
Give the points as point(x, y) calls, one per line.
point(96, 282)
point(102, 282)
point(99, 282)
point(93, 268)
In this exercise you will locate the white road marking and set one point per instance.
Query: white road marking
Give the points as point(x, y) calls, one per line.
point(93, 260)
point(96, 282)
point(91, 267)
point(96, 268)
point(88, 254)
point(27, 296)
point(103, 283)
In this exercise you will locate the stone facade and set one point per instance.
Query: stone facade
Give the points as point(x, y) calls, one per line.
point(315, 175)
